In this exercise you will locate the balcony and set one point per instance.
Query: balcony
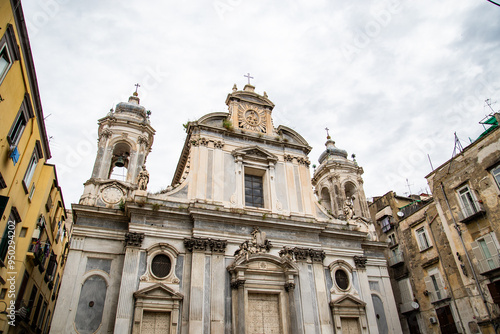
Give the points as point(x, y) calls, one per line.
point(396, 258)
point(471, 212)
point(438, 295)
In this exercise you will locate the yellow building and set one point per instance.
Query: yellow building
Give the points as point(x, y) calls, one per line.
point(32, 212)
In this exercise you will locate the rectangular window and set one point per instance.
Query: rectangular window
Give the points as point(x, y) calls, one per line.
point(24, 114)
point(487, 252)
point(254, 192)
point(435, 286)
point(496, 174)
point(423, 239)
point(469, 206)
point(8, 51)
point(30, 171)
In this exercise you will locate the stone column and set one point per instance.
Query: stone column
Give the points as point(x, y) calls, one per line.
point(317, 257)
point(218, 272)
point(240, 285)
point(198, 247)
point(128, 285)
point(240, 176)
point(294, 321)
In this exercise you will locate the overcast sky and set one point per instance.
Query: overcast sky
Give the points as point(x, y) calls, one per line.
point(391, 80)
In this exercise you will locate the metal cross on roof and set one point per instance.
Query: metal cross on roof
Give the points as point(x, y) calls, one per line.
point(327, 134)
point(249, 77)
point(137, 87)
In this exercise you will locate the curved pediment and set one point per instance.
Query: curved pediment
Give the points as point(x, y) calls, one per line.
point(282, 263)
point(292, 136)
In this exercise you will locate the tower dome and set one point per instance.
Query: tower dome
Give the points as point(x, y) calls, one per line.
point(331, 151)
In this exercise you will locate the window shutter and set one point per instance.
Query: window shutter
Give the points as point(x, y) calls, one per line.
point(405, 291)
point(482, 264)
point(430, 288)
point(495, 256)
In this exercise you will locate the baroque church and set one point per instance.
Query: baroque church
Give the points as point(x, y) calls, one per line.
point(242, 241)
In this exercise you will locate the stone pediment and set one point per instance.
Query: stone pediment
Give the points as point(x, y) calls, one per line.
point(347, 301)
point(254, 152)
point(158, 291)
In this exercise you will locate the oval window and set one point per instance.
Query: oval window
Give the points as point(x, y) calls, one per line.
point(341, 279)
point(161, 265)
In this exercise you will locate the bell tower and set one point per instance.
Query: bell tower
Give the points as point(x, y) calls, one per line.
point(338, 183)
point(125, 140)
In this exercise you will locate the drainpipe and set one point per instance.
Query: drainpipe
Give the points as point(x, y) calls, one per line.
point(468, 260)
point(445, 273)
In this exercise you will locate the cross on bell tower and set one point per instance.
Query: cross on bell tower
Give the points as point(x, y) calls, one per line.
point(248, 77)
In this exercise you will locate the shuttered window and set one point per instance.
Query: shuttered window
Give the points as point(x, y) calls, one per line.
point(486, 252)
point(435, 286)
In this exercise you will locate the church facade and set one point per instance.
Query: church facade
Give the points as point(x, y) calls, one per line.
point(243, 241)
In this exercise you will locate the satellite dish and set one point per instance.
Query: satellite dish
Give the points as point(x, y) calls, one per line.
point(415, 305)
point(400, 214)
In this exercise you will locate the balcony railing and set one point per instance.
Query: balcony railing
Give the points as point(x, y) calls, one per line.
point(396, 258)
point(438, 295)
point(472, 212)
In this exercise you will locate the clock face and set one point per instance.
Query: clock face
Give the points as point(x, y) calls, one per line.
point(111, 195)
point(251, 119)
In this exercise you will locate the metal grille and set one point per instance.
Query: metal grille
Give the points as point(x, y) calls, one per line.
point(161, 265)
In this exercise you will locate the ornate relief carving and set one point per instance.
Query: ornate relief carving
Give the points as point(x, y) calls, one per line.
point(201, 244)
point(218, 144)
point(105, 134)
point(360, 261)
point(217, 245)
point(134, 239)
point(317, 255)
point(302, 254)
point(196, 244)
point(250, 118)
point(289, 286)
point(288, 158)
point(143, 140)
point(237, 283)
point(258, 244)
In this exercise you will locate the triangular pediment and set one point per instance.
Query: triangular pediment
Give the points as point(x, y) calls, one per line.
point(254, 152)
point(347, 301)
point(158, 291)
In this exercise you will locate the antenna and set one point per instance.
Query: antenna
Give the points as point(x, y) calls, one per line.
point(429, 157)
point(489, 103)
point(409, 189)
point(460, 148)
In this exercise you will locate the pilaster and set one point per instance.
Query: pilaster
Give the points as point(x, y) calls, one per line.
point(364, 286)
point(130, 274)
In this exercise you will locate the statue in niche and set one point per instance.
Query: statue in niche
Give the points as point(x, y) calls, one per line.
point(349, 208)
point(143, 178)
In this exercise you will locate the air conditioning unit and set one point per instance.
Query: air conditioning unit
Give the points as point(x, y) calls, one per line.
point(433, 320)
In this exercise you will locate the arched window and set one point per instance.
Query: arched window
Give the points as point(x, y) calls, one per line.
point(119, 162)
point(325, 199)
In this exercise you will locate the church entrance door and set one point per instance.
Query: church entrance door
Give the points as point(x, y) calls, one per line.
point(263, 314)
point(350, 326)
point(155, 322)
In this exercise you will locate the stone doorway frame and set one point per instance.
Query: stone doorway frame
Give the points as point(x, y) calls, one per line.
point(157, 298)
point(266, 274)
point(348, 306)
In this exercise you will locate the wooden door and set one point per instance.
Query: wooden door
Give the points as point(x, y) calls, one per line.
point(350, 326)
point(263, 314)
point(155, 322)
point(446, 321)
